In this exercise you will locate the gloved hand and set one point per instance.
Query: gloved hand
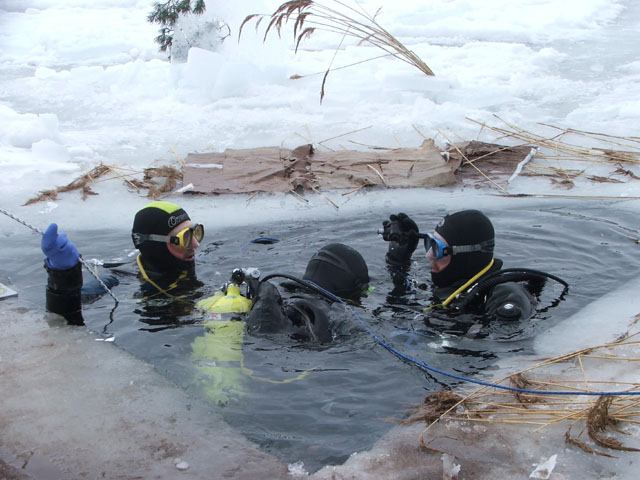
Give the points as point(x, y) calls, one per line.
point(402, 234)
point(61, 253)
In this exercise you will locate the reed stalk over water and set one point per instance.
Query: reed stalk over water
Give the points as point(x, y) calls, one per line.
point(349, 20)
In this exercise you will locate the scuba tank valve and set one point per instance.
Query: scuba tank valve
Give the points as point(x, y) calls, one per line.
point(230, 299)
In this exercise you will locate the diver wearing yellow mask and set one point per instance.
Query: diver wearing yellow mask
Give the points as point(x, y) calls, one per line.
point(167, 240)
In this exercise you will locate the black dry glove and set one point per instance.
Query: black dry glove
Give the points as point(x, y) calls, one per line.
point(63, 293)
point(402, 234)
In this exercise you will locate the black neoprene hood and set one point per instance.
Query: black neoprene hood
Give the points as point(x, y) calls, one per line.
point(467, 227)
point(339, 269)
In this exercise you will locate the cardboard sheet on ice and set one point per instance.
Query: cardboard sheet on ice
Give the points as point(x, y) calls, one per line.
point(278, 170)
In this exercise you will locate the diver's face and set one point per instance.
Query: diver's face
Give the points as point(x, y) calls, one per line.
point(185, 254)
point(439, 264)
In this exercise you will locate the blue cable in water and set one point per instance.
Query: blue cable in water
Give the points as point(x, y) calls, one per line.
point(429, 368)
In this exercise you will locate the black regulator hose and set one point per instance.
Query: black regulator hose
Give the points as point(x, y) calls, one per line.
point(509, 275)
point(309, 285)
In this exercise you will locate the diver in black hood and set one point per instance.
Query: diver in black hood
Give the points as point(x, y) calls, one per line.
point(336, 270)
point(465, 274)
point(167, 240)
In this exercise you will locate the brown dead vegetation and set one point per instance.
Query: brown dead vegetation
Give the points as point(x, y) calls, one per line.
point(434, 406)
point(542, 409)
point(308, 169)
point(157, 181)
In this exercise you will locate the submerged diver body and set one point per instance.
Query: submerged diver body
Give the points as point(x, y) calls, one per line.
point(310, 312)
point(467, 279)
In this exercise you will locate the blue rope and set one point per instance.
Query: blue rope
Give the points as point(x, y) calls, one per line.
point(429, 368)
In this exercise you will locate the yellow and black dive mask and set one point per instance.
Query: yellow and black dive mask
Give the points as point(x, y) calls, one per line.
point(184, 238)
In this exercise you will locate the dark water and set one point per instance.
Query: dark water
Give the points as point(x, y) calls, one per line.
point(349, 388)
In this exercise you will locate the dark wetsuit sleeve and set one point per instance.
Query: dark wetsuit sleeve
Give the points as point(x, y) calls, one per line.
point(266, 315)
point(304, 318)
point(310, 319)
point(401, 278)
point(64, 293)
point(509, 301)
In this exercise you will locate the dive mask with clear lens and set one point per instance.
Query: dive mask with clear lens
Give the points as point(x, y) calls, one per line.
point(437, 246)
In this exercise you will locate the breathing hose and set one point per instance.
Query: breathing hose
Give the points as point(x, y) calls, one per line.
point(509, 275)
point(431, 369)
point(304, 283)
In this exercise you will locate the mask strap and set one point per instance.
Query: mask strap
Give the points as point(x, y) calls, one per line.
point(485, 247)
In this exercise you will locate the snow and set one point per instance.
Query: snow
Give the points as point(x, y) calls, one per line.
point(82, 82)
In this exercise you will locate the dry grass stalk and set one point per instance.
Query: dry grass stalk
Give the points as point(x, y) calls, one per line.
point(597, 422)
point(569, 440)
point(434, 406)
point(519, 381)
point(544, 171)
point(297, 195)
point(538, 408)
point(335, 16)
point(575, 197)
point(378, 174)
point(325, 197)
point(81, 183)
point(469, 162)
point(600, 179)
point(355, 190)
point(170, 175)
point(626, 150)
point(322, 142)
point(626, 172)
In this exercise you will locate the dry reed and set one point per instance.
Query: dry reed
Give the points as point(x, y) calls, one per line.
point(158, 181)
point(347, 19)
point(562, 145)
point(540, 409)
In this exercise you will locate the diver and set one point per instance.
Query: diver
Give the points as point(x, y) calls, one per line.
point(335, 273)
point(164, 235)
point(309, 311)
point(466, 277)
point(167, 240)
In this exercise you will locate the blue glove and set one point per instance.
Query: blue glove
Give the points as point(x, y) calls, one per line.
point(61, 253)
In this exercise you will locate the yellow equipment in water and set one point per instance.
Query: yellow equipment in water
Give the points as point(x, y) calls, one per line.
point(230, 302)
point(218, 354)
